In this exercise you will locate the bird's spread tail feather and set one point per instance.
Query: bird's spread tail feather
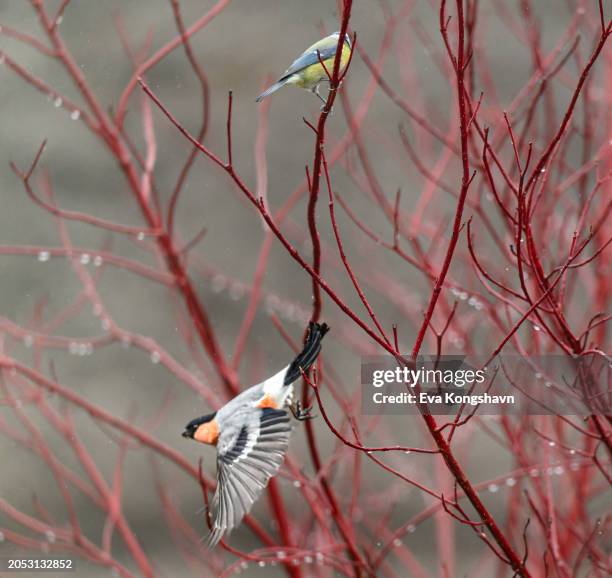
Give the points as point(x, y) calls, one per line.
point(308, 355)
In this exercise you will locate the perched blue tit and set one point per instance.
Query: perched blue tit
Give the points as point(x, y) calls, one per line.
point(307, 71)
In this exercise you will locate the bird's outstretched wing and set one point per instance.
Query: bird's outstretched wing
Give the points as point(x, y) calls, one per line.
point(246, 461)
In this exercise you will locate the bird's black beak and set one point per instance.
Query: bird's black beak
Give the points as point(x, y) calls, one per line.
point(188, 433)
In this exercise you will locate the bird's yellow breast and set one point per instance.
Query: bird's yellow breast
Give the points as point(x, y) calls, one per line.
point(315, 73)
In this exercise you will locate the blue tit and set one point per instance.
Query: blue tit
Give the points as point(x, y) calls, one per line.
point(307, 71)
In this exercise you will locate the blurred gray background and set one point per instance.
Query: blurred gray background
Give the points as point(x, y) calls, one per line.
point(240, 50)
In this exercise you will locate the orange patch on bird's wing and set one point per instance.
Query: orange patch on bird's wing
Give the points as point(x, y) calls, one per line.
point(207, 433)
point(267, 401)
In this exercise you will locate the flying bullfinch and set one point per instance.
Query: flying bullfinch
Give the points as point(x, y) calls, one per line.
point(251, 433)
